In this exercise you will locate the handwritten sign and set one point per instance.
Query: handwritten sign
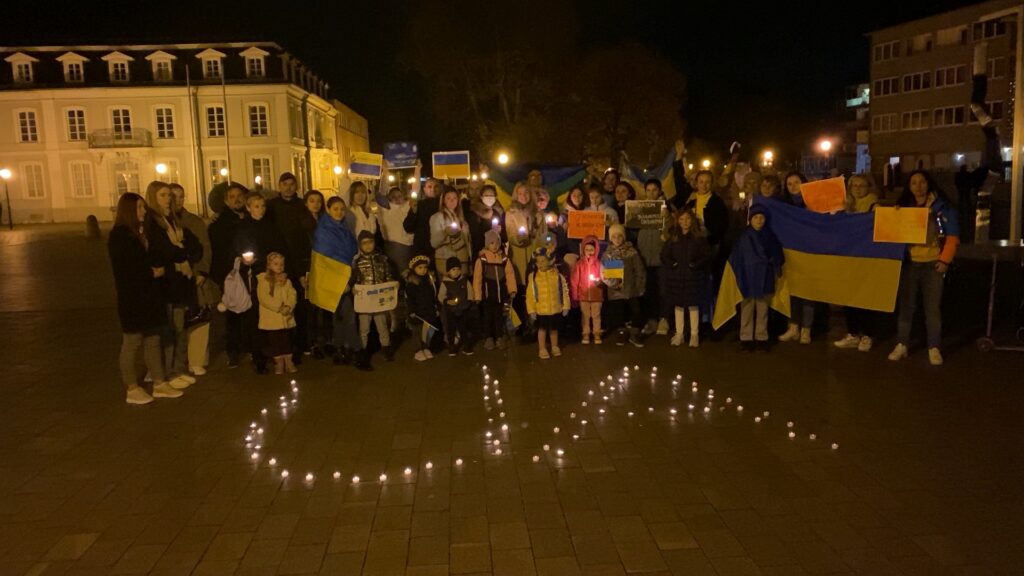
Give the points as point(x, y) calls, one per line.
point(903, 225)
point(375, 298)
point(583, 223)
point(645, 214)
point(825, 196)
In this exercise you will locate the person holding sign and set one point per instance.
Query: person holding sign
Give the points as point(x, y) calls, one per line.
point(449, 233)
point(624, 274)
point(369, 268)
point(596, 203)
point(925, 269)
point(860, 199)
point(650, 239)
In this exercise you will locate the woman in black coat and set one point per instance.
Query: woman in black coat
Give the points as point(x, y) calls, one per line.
point(140, 306)
point(684, 261)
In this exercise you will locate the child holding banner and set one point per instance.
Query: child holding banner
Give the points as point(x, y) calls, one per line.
point(925, 270)
point(860, 199)
point(371, 267)
point(626, 279)
point(421, 299)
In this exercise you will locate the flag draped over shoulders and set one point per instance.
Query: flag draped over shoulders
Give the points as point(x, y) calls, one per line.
point(334, 247)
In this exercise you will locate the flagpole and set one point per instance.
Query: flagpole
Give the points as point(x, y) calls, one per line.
point(227, 127)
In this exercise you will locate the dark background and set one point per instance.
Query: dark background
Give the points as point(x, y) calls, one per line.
point(767, 75)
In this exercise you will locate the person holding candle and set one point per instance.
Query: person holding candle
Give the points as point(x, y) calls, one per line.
point(586, 288)
point(223, 232)
point(371, 267)
point(626, 278)
point(547, 301)
point(421, 298)
point(277, 299)
point(449, 233)
point(494, 285)
point(521, 224)
point(684, 261)
point(485, 214)
point(456, 297)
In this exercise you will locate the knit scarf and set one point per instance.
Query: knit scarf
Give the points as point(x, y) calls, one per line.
point(864, 204)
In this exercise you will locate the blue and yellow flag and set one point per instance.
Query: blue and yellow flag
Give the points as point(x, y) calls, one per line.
point(451, 165)
point(558, 180)
point(366, 165)
point(613, 269)
point(334, 247)
point(831, 258)
point(638, 176)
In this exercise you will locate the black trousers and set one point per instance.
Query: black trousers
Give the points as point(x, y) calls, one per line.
point(860, 322)
point(457, 324)
point(623, 314)
point(494, 319)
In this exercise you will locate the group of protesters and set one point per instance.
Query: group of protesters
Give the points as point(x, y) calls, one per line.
point(473, 271)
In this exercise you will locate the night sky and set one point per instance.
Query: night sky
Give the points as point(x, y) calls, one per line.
point(767, 76)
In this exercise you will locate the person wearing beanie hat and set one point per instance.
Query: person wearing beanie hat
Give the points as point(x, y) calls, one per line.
point(421, 301)
point(371, 267)
point(456, 297)
point(757, 261)
point(626, 278)
point(494, 285)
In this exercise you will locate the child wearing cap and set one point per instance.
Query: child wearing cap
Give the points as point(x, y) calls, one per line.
point(456, 296)
point(421, 300)
point(547, 299)
point(371, 267)
point(494, 285)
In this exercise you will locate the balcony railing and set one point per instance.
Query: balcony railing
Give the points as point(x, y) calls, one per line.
point(134, 138)
point(324, 143)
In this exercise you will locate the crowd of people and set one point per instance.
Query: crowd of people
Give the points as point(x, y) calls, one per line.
point(472, 270)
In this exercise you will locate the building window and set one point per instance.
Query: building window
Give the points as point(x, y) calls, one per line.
point(218, 171)
point(295, 121)
point(215, 126)
point(165, 122)
point(73, 72)
point(118, 71)
point(254, 67)
point(81, 180)
point(949, 116)
point(887, 51)
point(989, 29)
point(162, 71)
point(883, 123)
point(996, 67)
point(28, 130)
point(996, 109)
point(258, 123)
point(172, 174)
point(886, 87)
point(32, 176)
point(915, 120)
point(126, 175)
point(211, 68)
point(23, 73)
point(121, 122)
point(951, 36)
point(261, 174)
point(76, 125)
point(917, 82)
point(951, 76)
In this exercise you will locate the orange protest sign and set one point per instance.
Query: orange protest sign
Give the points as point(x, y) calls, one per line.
point(583, 223)
point(825, 196)
point(904, 225)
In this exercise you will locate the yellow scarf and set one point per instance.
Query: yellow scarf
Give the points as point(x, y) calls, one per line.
point(865, 204)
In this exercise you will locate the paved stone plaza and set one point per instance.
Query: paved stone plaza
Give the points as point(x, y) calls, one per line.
point(927, 478)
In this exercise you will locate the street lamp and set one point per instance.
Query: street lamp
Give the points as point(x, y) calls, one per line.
point(825, 145)
point(224, 172)
point(6, 174)
point(503, 158)
point(768, 158)
point(706, 163)
point(391, 177)
point(337, 170)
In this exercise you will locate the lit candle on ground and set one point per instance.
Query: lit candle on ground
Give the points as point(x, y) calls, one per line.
point(560, 452)
point(584, 422)
point(584, 404)
point(260, 431)
point(650, 408)
point(630, 414)
point(284, 473)
point(504, 427)
point(556, 430)
point(309, 477)
point(672, 411)
point(767, 414)
point(757, 419)
point(601, 411)
point(255, 456)
point(536, 458)
point(383, 478)
point(813, 436)
point(707, 409)
point(789, 424)
point(547, 447)
point(429, 466)
point(739, 408)
point(575, 436)
point(572, 415)
point(501, 415)
point(497, 442)
point(273, 461)
point(264, 411)
point(792, 434)
point(835, 446)
point(253, 425)
point(408, 471)
point(458, 461)
point(355, 479)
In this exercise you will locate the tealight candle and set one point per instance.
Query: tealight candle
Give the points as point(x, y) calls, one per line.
point(501, 415)
point(739, 408)
point(835, 446)
point(355, 479)
point(260, 431)
point(767, 413)
point(458, 461)
point(630, 414)
point(383, 478)
point(609, 377)
point(813, 436)
point(253, 425)
point(273, 462)
point(789, 424)
point(294, 402)
point(500, 401)
point(484, 367)
point(636, 367)
point(264, 411)
point(690, 406)
point(792, 434)
point(504, 427)
point(584, 422)
point(560, 452)
point(575, 436)
point(258, 447)
point(584, 404)
point(590, 392)
point(255, 456)
point(707, 409)
point(547, 447)
point(572, 415)
point(605, 398)
point(650, 408)
point(248, 438)
point(672, 411)
point(337, 475)
point(497, 442)
point(284, 473)
point(408, 471)
point(601, 411)
point(536, 458)
point(494, 221)
point(757, 419)
point(556, 430)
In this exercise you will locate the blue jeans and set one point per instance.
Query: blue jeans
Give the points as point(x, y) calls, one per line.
point(346, 330)
point(920, 277)
point(802, 311)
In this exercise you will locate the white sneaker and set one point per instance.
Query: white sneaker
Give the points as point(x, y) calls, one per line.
point(138, 396)
point(791, 334)
point(165, 390)
point(662, 327)
point(197, 370)
point(898, 353)
point(428, 354)
point(420, 356)
point(805, 335)
point(180, 383)
point(694, 340)
point(677, 339)
point(865, 344)
point(187, 378)
point(850, 341)
point(935, 357)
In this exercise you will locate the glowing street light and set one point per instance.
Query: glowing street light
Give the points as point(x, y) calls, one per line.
point(337, 170)
point(483, 175)
point(224, 172)
point(825, 145)
point(161, 168)
point(5, 174)
point(503, 158)
point(767, 158)
point(391, 177)
point(706, 163)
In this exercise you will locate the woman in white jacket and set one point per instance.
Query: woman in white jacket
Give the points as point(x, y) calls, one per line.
point(449, 233)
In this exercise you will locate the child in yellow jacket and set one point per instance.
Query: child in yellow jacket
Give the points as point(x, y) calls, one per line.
point(547, 298)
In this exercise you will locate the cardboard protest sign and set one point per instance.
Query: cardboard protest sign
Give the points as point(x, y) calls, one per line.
point(825, 196)
point(904, 225)
point(375, 298)
point(401, 154)
point(645, 214)
point(365, 165)
point(583, 223)
point(451, 165)
point(613, 270)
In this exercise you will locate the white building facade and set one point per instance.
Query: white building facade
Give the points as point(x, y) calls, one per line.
point(81, 125)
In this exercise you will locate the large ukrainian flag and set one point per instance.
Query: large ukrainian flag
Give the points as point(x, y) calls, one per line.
point(638, 176)
point(334, 247)
point(833, 258)
point(558, 180)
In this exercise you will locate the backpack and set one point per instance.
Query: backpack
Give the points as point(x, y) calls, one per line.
point(236, 296)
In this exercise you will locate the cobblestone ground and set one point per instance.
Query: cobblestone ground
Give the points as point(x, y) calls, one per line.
point(926, 478)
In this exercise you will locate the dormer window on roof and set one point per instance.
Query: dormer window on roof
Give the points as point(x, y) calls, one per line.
point(22, 66)
point(161, 62)
point(212, 60)
point(74, 66)
point(255, 62)
point(117, 66)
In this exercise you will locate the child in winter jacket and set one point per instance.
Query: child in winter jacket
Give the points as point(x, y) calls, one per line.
point(494, 284)
point(421, 300)
point(277, 298)
point(626, 278)
point(547, 297)
point(684, 261)
point(456, 296)
point(586, 288)
point(756, 260)
point(371, 267)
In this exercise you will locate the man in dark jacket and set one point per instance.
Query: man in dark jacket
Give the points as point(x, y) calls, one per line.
point(289, 214)
point(222, 240)
point(417, 222)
